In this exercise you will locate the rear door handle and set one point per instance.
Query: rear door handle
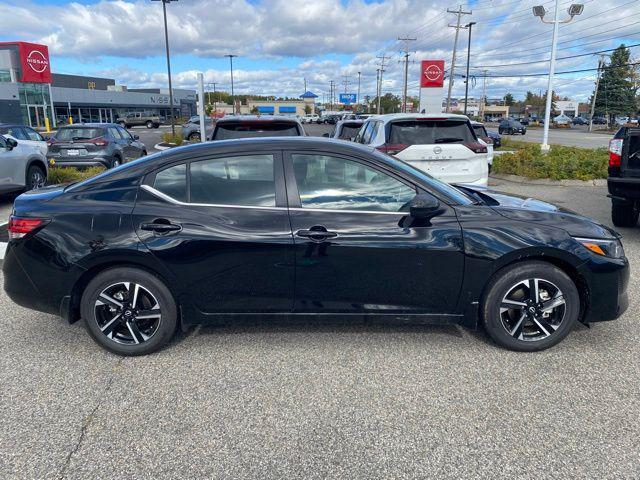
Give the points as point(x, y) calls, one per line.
point(160, 227)
point(316, 235)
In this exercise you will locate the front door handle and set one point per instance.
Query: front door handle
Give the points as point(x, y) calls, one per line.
point(316, 234)
point(161, 227)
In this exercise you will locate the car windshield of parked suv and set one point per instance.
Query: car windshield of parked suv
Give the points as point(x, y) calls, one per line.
point(349, 131)
point(230, 130)
point(426, 132)
point(480, 131)
point(79, 133)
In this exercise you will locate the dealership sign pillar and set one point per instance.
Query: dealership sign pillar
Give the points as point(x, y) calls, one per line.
point(431, 86)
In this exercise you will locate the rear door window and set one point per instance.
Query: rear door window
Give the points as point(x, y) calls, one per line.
point(427, 132)
point(173, 182)
point(231, 130)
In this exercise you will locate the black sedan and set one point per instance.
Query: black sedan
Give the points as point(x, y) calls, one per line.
point(274, 226)
point(510, 126)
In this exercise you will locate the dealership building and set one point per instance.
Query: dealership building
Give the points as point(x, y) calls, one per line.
point(30, 92)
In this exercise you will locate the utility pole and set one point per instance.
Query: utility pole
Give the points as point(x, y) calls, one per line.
point(457, 26)
point(484, 93)
point(466, 81)
point(358, 97)
point(305, 85)
point(346, 83)
point(166, 42)
point(378, 89)
point(406, 41)
point(595, 93)
point(382, 59)
point(331, 86)
point(233, 98)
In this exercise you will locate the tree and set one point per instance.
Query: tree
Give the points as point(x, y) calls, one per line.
point(616, 89)
point(255, 111)
point(508, 99)
point(307, 109)
point(389, 103)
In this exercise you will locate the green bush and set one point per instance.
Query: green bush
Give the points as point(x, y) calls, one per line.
point(168, 137)
point(561, 163)
point(69, 174)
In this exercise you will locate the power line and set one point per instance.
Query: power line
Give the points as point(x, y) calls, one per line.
point(560, 73)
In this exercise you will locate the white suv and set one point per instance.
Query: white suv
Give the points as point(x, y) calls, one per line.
point(443, 145)
point(22, 167)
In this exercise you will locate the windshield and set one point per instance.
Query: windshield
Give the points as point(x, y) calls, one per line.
point(427, 132)
point(79, 133)
point(229, 130)
point(458, 196)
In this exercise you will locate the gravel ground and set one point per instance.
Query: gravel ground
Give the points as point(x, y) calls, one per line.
point(322, 398)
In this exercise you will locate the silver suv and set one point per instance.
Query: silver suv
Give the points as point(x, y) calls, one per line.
point(22, 166)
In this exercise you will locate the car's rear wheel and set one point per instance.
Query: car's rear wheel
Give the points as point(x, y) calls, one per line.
point(149, 124)
point(530, 306)
point(36, 177)
point(194, 137)
point(129, 311)
point(116, 162)
point(624, 214)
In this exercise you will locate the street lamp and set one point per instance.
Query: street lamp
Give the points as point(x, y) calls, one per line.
point(539, 11)
point(233, 100)
point(166, 41)
point(466, 86)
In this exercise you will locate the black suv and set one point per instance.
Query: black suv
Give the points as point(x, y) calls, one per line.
point(510, 126)
point(624, 176)
point(251, 126)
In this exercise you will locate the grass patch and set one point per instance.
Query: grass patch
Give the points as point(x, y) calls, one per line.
point(168, 137)
point(59, 175)
point(561, 163)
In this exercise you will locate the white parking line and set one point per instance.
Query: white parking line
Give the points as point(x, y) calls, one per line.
point(3, 249)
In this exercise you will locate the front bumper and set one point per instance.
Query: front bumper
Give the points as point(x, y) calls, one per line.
point(607, 281)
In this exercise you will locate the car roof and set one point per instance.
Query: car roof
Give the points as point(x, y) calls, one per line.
point(477, 124)
point(258, 118)
point(6, 125)
point(389, 117)
point(358, 121)
point(90, 125)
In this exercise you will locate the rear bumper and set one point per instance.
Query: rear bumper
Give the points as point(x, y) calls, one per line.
point(624, 187)
point(82, 162)
point(607, 281)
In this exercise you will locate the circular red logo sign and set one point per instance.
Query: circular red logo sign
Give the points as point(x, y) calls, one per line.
point(433, 73)
point(37, 61)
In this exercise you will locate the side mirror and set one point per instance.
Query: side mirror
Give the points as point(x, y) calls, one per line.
point(11, 143)
point(424, 206)
point(136, 137)
point(325, 135)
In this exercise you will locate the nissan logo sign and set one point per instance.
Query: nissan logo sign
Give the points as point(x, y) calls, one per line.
point(433, 72)
point(37, 61)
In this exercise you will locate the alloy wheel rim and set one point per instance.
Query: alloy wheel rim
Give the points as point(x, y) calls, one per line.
point(532, 309)
point(127, 313)
point(37, 180)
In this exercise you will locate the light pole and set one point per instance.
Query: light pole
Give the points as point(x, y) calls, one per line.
point(539, 11)
point(466, 83)
point(233, 99)
point(358, 97)
point(166, 42)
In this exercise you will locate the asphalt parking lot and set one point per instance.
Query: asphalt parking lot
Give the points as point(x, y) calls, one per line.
point(323, 398)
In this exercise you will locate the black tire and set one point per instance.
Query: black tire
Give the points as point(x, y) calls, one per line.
point(624, 214)
point(116, 162)
point(149, 124)
point(194, 137)
point(156, 125)
point(122, 339)
point(528, 335)
point(143, 154)
point(36, 177)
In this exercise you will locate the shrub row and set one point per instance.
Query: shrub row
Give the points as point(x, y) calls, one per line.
point(69, 174)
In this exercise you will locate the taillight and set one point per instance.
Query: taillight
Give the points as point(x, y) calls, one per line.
point(392, 148)
point(100, 142)
point(19, 227)
point(615, 152)
point(476, 147)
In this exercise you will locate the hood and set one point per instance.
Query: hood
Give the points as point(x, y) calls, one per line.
point(534, 211)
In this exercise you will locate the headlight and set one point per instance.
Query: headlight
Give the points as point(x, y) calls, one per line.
point(607, 248)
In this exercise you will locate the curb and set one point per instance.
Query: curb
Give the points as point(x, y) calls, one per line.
point(599, 182)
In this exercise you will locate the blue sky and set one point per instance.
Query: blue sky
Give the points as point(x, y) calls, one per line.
point(282, 42)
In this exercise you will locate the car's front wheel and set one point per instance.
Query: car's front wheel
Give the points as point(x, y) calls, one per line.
point(129, 311)
point(530, 306)
point(625, 214)
point(194, 137)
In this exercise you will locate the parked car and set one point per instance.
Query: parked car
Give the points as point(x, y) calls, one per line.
point(599, 120)
point(562, 120)
point(523, 120)
point(191, 129)
point(304, 226)
point(22, 166)
point(624, 176)
point(345, 129)
point(483, 135)
point(250, 126)
point(509, 126)
point(94, 144)
point(443, 145)
point(311, 118)
point(138, 119)
point(330, 119)
point(24, 135)
point(496, 137)
point(579, 121)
